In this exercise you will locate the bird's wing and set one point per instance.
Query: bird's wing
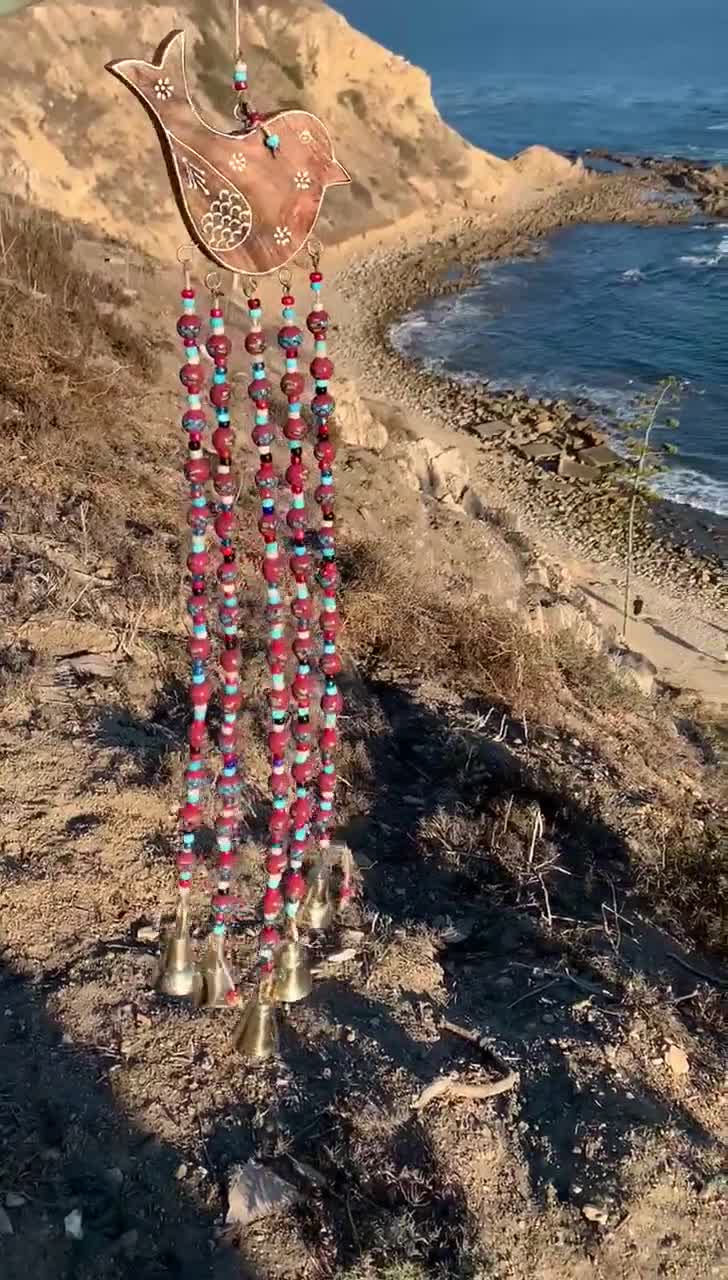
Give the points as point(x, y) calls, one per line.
point(216, 211)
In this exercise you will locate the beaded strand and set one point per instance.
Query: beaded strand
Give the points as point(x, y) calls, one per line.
point(229, 785)
point(259, 392)
point(290, 338)
point(322, 407)
point(197, 471)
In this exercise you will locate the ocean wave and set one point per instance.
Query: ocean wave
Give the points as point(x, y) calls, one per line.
point(633, 273)
point(692, 489)
point(718, 128)
point(691, 260)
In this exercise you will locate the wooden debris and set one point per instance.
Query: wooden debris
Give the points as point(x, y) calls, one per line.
point(450, 1088)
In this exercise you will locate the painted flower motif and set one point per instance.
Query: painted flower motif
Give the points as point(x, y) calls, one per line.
point(238, 162)
point(282, 235)
point(164, 88)
point(302, 180)
point(227, 222)
point(306, 137)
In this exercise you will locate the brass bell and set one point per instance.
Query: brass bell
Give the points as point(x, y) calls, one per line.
point(256, 1033)
point(292, 978)
point(177, 973)
point(318, 904)
point(214, 979)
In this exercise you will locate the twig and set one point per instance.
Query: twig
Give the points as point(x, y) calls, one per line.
point(699, 973)
point(535, 992)
point(448, 1087)
point(582, 983)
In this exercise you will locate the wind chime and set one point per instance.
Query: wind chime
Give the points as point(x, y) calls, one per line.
point(250, 200)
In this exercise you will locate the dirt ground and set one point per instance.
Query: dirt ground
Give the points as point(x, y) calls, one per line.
point(534, 850)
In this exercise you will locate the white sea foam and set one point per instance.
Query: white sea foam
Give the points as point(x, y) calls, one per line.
point(633, 273)
point(692, 489)
point(691, 260)
point(718, 128)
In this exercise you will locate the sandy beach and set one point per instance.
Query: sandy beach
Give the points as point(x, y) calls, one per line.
point(680, 555)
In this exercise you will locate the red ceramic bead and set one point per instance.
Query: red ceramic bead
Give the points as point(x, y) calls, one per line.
point(302, 687)
point(302, 608)
point(185, 860)
point(198, 562)
point(303, 772)
point(259, 389)
point(230, 659)
point(300, 566)
point(278, 740)
point(192, 377)
point(254, 304)
point(197, 734)
point(197, 516)
point(225, 524)
point(219, 347)
point(328, 575)
point(268, 522)
point(329, 623)
point(199, 647)
point(220, 393)
point(197, 470)
point(272, 570)
point(226, 859)
point(288, 300)
point(330, 664)
point(187, 293)
point(325, 494)
point(328, 739)
point(304, 649)
point(280, 783)
point(325, 452)
point(301, 812)
point(295, 886)
point(279, 824)
point(225, 483)
point(275, 863)
point(279, 699)
point(296, 475)
point(272, 903)
point(229, 615)
point(316, 277)
point(327, 783)
point(293, 385)
point(231, 701)
point(269, 937)
point(263, 435)
point(295, 429)
point(199, 694)
point(317, 322)
point(255, 343)
point(290, 337)
point(222, 440)
point(278, 648)
point(322, 368)
point(194, 420)
point(265, 476)
point(332, 702)
point(298, 849)
point(191, 816)
point(323, 404)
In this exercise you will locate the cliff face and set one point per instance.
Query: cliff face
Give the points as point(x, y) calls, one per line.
point(75, 141)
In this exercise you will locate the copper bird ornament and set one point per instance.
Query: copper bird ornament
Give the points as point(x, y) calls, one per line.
point(250, 208)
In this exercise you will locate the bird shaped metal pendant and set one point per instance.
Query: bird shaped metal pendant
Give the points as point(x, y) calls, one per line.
point(249, 207)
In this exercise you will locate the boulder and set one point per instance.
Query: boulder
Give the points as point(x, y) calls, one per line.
point(572, 470)
point(599, 455)
point(540, 450)
point(356, 424)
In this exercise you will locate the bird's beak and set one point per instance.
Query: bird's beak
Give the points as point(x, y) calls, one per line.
point(336, 174)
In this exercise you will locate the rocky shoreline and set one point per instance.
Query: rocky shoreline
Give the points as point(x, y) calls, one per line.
point(537, 453)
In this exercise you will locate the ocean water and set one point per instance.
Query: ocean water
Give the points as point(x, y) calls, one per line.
point(600, 312)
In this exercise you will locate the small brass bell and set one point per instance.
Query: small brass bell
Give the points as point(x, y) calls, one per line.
point(318, 904)
point(256, 1033)
point(177, 973)
point(292, 978)
point(214, 980)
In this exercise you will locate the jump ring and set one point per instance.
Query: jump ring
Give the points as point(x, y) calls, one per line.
point(250, 287)
point(285, 278)
point(185, 254)
point(213, 281)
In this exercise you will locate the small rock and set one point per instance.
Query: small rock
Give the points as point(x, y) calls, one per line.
point(114, 1178)
point(73, 1222)
point(14, 1200)
point(147, 933)
point(129, 1241)
point(254, 1192)
point(181, 1172)
point(6, 1226)
point(593, 1213)
point(548, 1018)
point(677, 1060)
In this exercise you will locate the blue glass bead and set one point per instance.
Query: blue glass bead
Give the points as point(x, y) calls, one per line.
point(273, 141)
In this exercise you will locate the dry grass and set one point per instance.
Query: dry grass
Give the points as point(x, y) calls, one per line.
point(399, 619)
point(77, 492)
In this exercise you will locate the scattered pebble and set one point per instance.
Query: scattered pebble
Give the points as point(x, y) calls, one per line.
point(73, 1223)
point(14, 1200)
point(147, 933)
point(6, 1226)
point(593, 1213)
point(677, 1060)
point(114, 1178)
point(254, 1192)
point(181, 1172)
